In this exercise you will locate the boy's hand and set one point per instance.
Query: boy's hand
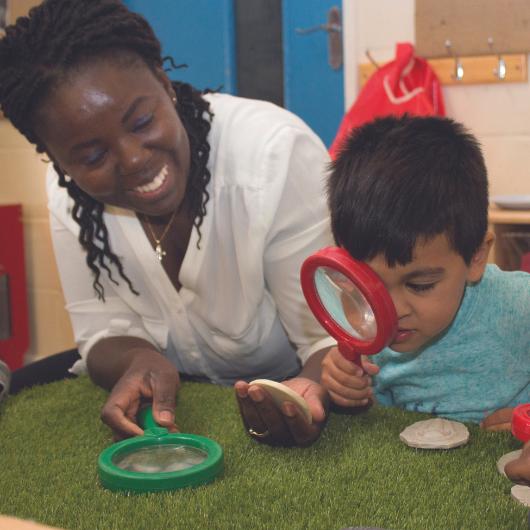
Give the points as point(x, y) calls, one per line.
point(347, 384)
point(500, 420)
point(285, 426)
point(519, 470)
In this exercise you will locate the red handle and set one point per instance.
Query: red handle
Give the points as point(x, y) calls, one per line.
point(521, 422)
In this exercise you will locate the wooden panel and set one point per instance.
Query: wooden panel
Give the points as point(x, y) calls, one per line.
point(512, 237)
point(502, 216)
point(469, 23)
point(19, 8)
point(477, 70)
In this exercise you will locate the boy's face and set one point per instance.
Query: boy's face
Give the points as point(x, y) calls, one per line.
point(427, 291)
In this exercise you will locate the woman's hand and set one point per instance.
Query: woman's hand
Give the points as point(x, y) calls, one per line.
point(150, 376)
point(500, 420)
point(518, 470)
point(284, 426)
point(347, 384)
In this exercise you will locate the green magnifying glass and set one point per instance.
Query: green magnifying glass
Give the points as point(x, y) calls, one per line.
point(159, 460)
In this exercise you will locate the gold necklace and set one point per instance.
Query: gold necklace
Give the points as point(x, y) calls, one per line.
point(160, 252)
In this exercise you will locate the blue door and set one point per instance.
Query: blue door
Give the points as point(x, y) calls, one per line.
point(313, 88)
point(202, 34)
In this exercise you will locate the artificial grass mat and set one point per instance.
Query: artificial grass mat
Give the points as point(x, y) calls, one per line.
point(357, 474)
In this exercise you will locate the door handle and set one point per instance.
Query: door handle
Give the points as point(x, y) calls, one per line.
point(333, 27)
point(321, 27)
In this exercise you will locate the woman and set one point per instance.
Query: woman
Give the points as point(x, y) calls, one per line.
point(179, 219)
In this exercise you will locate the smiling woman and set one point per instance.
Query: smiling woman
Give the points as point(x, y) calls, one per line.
point(125, 148)
point(172, 218)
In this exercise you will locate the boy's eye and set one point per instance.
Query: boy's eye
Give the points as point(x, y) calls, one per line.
point(420, 287)
point(95, 157)
point(142, 122)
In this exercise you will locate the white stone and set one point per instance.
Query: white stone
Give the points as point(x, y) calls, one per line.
point(437, 433)
point(521, 493)
point(280, 393)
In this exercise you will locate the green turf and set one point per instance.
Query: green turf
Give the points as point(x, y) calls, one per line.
point(358, 473)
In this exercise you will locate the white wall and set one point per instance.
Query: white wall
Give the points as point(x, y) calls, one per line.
point(498, 114)
point(23, 182)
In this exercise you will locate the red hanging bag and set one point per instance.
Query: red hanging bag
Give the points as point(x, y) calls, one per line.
point(406, 85)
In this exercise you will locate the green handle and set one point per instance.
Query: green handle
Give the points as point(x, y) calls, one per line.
point(146, 420)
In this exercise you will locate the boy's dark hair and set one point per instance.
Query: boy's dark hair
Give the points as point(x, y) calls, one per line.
point(398, 180)
point(58, 37)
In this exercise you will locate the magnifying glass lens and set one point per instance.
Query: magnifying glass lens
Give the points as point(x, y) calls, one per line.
point(163, 458)
point(345, 303)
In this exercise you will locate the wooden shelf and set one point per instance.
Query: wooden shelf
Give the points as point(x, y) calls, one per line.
point(477, 69)
point(504, 216)
point(507, 249)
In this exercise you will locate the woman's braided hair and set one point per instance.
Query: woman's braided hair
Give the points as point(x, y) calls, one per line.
point(56, 37)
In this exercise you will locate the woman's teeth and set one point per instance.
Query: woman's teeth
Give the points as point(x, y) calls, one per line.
point(155, 183)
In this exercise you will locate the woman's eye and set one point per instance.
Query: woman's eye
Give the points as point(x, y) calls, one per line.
point(94, 158)
point(420, 287)
point(142, 122)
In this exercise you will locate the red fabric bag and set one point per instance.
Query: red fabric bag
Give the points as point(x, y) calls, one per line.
point(405, 85)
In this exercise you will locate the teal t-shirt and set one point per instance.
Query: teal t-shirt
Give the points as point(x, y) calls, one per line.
point(479, 364)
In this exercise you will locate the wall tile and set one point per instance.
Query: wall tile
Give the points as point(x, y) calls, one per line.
point(508, 163)
point(50, 328)
point(496, 109)
point(41, 269)
point(23, 181)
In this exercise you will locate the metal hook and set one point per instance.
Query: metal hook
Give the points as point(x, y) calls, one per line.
point(371, 59)
point(500, 71)
point(459, 68)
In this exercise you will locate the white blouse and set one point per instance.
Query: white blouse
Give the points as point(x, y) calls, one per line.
point(240, 312)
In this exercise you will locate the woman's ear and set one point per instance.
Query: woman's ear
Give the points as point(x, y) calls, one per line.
point(480, 258)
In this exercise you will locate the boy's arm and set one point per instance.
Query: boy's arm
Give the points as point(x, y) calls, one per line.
point(500, 420)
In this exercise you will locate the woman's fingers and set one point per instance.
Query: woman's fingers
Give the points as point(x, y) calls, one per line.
point(164, 389)
point(285, 425)
point(500, 420)
point(116, 413)
point(248, 410)
point(157, 381)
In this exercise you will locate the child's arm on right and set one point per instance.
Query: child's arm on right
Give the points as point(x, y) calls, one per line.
point(347, 384)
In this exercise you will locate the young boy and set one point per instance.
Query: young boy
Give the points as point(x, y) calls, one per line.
point(409, 197)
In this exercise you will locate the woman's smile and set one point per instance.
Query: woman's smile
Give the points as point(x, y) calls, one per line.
point(154, 186)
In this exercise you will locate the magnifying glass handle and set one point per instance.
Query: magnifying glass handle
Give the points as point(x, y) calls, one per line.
point(145, 418)
point(350, 354)
point(521, 422)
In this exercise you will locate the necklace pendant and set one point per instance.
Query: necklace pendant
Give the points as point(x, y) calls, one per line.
point(160, 252)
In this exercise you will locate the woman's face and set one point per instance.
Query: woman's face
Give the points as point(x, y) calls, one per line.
point(114, 130)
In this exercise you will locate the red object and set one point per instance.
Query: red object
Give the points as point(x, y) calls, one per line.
point(406, 85)
point(370, 286)
point(521, 422)
point(12, 264)
point(525, 262)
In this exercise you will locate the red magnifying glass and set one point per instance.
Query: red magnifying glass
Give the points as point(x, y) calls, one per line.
point(350, 301)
